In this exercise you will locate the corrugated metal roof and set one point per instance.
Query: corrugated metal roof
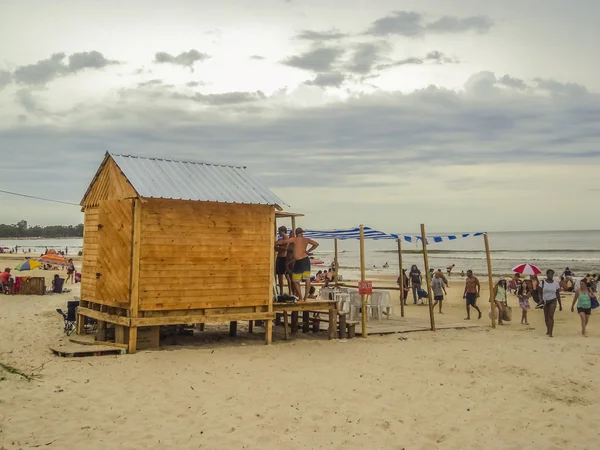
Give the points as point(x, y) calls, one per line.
point(186, 180)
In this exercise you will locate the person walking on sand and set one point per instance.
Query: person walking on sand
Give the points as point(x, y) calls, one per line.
point(550, 295)
point(280, 262)
point(301, 268)
point(524, 294)
point(471, 294)
point(70, 272)
point(438, 285)
point(535, 289)
point(583, 298)
point(402, 282)
point(415, 280)
point(500, 299)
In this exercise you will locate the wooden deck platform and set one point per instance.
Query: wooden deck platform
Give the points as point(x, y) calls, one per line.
point(73, 350)
point(409, 325)
point(306, 308)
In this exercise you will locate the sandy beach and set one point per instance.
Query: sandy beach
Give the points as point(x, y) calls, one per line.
point(509, 388)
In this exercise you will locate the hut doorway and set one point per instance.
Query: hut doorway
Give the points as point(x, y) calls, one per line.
point(115, 230)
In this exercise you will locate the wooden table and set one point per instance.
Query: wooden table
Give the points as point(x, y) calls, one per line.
point(306, 307)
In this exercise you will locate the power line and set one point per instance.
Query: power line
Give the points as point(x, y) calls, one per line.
point(39, 198)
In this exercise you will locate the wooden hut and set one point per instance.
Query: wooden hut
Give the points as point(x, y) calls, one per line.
point(173, 242)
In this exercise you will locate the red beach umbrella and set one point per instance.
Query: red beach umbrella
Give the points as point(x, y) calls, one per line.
point(526, 269)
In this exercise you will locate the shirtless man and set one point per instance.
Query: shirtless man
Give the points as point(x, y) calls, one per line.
point(301, 270)
point(280, 262)
point(471, 294)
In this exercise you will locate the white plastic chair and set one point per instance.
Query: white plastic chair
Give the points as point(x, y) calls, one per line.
point(355, 304)
point(385, 302)
point(375, 304)
point(324, 293)
point(343, 299)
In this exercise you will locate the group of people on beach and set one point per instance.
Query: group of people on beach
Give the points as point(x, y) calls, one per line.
point(547, 296)
point(293, 262)
point(545, 293)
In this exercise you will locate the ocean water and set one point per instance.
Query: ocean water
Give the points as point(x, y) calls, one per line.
point(578, 250)
point(40, 245)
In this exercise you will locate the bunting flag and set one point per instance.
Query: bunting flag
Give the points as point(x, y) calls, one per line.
point(350, 233)
point(436, 239)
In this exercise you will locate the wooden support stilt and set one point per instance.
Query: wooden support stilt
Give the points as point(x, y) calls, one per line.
point(132, 347)
point(316, 325)
point(294, 326)
point(335, 261)
point(305, 321)
point(490, 279)
point(342, 326)
point(286, 332)
point(80, 324)
point(333, 313)
point(362, 278)
point(233, 329)
point(428, 277)
point(401, 277)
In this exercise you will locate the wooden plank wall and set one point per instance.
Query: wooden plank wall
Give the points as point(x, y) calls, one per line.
point(111, 184)
point(90, 254)
point(114, 253)
point(204, 255)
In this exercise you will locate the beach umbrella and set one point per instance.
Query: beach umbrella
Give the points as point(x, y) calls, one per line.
point(526, 269)
point(51, 252)
point(30, 264)
point(54, 260)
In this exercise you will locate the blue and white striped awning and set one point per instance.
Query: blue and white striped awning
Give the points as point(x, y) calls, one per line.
point(370, 233)
point(436, 239)
point(350, 233)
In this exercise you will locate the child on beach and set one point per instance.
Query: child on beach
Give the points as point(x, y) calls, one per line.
point(583, 298)
point(439, 289)
point(524, 294)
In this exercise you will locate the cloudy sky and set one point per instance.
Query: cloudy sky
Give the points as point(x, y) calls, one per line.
point(462, 114)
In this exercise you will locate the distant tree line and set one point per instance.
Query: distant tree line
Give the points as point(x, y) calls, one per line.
point(51, 231)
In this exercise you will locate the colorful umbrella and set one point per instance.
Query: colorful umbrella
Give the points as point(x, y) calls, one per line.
point(30, 264)
point(526, 269)
point(54, 260)
point(51, 252)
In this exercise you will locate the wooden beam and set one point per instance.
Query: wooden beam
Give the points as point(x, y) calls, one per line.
point(363, 297)
point(136, 251)
point(136, 239)
point(269, 327)
point(401, 277)
point(233, 328)
point(490, 279)
point(203, 318)
point(105, 317)
point(324, 305)
point(426, 261)
point(335, 261)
